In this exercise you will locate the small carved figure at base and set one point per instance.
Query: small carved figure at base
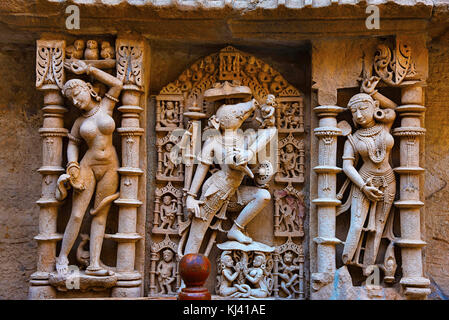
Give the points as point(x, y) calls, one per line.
point(168, 212)
point(288, 275)
point(166, 272)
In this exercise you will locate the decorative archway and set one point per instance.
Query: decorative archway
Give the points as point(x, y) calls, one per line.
point(181, 105)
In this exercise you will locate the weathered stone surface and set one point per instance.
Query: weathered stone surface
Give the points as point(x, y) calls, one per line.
point(221, 20)
point(20, 157)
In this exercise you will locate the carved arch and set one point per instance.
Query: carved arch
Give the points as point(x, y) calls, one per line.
point(229, 64)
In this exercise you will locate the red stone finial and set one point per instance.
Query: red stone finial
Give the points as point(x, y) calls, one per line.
point(194, 270)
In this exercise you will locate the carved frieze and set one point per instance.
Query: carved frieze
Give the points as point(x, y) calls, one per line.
point(290, 112)
point(291, 160)
point(168, 214)
point(288, 213)
point(164, 275)
point(289, 282)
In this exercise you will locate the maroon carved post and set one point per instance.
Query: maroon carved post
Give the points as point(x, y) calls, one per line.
point(194, 270)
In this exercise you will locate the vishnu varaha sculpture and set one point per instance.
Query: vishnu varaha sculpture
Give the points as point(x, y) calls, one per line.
point(223, 191)
point(97, 170)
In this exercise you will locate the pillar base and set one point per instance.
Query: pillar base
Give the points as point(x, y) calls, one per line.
point(415, 288)
point(41, 292)
point(126, 292)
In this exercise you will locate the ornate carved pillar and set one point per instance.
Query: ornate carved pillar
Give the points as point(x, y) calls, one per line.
point(50, 79)
point(415, 285)
point(129, 69)
point(154, 257)
point(327, 133)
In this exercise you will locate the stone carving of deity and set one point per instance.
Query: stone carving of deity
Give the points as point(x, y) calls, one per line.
point(289, 165)
point(168, 211)
point(244, 279)
point(227, 277)
point(268, 112)
point(289, 212)
point(170, 113)
point(96, 174)
point(288, 220)
point(373, 185)
point(166, 272)
point(169, 166)
point(289, 275)
point(224, 187)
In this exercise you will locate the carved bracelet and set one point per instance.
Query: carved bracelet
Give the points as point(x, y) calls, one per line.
point(72, 164)
point(88, 69)
point(111, 97)
point(192, 194)
point(74, 139)
point(363, 187)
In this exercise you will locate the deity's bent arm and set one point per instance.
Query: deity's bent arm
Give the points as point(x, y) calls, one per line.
point(348, 165)
point(74, 141)
point(115, 86)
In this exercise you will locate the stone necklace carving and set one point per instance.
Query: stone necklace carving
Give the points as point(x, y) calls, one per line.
point(374, 139)
point(91, 112)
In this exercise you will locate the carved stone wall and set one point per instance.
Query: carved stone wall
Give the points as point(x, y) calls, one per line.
point(185, 94)
point(23, 152)
point(436, 185)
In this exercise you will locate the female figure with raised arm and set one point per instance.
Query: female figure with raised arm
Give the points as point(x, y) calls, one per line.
point(97, 170)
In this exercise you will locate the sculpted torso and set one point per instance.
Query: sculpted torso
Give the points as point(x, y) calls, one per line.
point(382, 137)
point(97, 131)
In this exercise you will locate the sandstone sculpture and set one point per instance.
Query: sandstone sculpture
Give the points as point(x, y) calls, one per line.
point(374, 185)
point(249, 277)
point(233, 157)
point(166, 272)
point(97, 170)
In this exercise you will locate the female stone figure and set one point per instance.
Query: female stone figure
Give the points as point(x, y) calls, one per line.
point(257, 276)
point(97, 170)
point(226, 287)
point(373, 186)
